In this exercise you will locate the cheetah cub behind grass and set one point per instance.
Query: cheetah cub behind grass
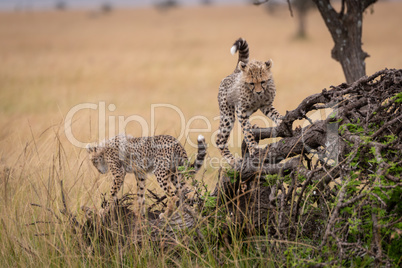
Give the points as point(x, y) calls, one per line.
point(249, 88)
point(160, 155)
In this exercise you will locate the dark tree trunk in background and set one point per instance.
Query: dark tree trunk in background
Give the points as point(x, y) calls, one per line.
point(346, 31)
point(301, 30)
point(302, 7)
point(345, 27)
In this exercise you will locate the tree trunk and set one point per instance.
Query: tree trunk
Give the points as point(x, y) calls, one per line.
point(346, 31)
point(302, 7)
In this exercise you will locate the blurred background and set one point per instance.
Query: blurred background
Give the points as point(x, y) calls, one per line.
point(149, 63)
point(60, 4)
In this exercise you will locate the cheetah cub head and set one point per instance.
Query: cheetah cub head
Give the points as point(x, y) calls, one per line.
point(256, 75)
point(97, 156)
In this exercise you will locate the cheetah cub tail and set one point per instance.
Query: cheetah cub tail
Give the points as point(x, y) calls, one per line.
point(241, 46)
point(202, 151)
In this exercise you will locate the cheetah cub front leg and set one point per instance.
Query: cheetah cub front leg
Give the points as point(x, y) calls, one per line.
point(163, 176)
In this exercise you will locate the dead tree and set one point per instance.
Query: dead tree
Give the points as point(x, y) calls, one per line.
point(345, 27)
point(313, 180)
point(302, 8)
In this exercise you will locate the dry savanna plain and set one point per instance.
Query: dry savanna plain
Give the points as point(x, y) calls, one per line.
point(68, 78)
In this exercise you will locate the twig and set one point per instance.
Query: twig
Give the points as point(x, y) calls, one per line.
point(290, 8)
point(63, 198)
point(40, 222)
point(387, 124)
point(48, 209)
point(353, 200)
point(376, 237)
point(27, 249)
point(335, 213)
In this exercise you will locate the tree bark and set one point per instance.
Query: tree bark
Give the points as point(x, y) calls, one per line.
point(346, 32)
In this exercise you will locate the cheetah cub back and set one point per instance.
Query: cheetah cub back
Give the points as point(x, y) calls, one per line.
point(248, 89)
point(160, 155)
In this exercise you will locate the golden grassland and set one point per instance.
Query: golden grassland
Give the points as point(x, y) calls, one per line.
point(133, 59)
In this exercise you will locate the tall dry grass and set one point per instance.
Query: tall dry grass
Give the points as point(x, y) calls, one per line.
point(53, 61)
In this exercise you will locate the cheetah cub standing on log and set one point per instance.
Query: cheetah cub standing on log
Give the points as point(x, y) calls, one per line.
point(160, 155)
point(249, 88)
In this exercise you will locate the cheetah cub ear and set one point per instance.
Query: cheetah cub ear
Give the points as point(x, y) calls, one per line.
point(269, 64)
point(242, 66)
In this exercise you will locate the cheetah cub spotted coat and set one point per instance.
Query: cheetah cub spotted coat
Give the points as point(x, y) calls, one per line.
point(160, 155)
point(249, 88)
